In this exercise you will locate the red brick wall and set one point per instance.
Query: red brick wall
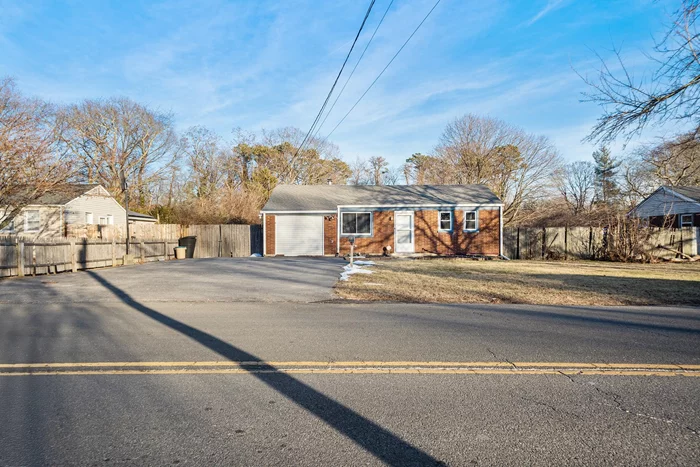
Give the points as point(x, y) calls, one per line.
point(330, 235)
point(484, 242)
point(427, 238)
point(383, 235)
point(269, 234)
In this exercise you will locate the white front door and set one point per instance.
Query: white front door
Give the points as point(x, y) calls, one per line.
point(403, 232)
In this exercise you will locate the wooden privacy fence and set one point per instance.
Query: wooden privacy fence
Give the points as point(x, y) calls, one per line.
point(588, 242)
point(226, 240)
point(19, 257)
point(23, 256)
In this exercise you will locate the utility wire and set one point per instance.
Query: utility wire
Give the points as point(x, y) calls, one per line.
point(323, 107)
point(353, 70)
point(382, 72)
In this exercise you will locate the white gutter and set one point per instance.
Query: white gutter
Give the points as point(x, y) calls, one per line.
point(500, 223)
point(264, 235)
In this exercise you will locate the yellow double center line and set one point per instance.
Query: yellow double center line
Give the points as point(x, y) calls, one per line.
point(349, 367)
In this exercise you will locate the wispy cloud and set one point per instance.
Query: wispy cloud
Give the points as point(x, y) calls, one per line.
point(552, 5)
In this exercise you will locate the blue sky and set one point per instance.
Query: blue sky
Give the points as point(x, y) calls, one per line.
point(264, 64)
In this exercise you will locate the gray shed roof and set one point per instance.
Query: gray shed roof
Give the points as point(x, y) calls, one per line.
point(329, 197)
point(692, 192)
point(63, 194)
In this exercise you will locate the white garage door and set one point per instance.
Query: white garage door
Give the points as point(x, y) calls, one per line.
point(299, 235)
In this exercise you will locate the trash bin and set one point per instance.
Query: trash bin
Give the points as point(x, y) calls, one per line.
point(180, 252)
point(189, 243)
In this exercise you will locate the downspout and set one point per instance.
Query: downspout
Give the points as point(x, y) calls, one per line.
point(500, 222)
point(264, 217)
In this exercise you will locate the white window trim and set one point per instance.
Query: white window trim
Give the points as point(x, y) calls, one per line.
point(440, 213)
point(92, 218)
point(26, 220)
point(371, 224)
point(476, 221)
point(686, 215)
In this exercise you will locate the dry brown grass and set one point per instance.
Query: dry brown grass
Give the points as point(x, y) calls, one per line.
point(531, 282)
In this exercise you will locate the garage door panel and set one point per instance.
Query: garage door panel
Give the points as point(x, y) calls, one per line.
point(299, 235)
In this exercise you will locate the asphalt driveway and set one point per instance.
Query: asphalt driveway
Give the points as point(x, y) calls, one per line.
point(194, 280)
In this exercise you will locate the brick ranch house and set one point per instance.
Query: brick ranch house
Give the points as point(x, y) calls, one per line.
point(317, 220)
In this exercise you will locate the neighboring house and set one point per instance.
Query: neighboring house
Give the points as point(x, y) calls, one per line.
point(52, 214)
point(671, 206)
point(317, 220)
point(138, 218)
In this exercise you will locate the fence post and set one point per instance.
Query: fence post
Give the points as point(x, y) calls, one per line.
point(114, 251)
point(544, 242)
point(143, 252)
point(73, 265)
point(566, 242)
point(20, 257)
point(165, 250)
point(33, 260)
point(517, 244)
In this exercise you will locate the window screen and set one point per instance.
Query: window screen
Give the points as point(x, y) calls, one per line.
point(470, 220)
point(356, 223)
point(445, 220)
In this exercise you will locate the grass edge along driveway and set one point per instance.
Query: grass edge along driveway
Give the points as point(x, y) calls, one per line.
point(451, 280)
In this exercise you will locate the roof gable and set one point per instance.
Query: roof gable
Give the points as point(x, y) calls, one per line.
point(67, 193)
point(328, 197)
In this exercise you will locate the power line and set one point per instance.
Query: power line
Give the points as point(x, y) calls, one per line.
point(353, 70)
point(323, 107)
point(387, 66)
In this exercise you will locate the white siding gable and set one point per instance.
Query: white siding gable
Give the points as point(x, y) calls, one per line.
point(664, 203)
point(98, 202)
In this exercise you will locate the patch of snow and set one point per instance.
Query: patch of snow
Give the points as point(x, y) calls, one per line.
point(256, 255)
point(351, 269)
point(364, 263)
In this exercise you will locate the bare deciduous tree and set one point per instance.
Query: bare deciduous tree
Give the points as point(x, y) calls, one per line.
point(517, 166)
point(118, 136)
point(576, 183)
point(359, 172)
point(672, 91)
point(31, 161)
point(378, 168)
point(202, 153)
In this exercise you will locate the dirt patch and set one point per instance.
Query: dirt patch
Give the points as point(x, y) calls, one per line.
point(527, 282)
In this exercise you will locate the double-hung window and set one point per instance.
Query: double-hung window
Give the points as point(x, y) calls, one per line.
point(88, 218)
point(356, 223)
point(445, 224)
point(32, 220)
point(686, 220)
point(470, 221)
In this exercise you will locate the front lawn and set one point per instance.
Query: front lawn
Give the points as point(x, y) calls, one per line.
point(534, 282)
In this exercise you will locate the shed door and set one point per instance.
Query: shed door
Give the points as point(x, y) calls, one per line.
point(299, 235)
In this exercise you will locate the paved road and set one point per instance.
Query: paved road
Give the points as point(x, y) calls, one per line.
point(215, 412)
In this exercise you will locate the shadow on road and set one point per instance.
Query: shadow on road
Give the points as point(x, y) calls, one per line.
point(376, 440)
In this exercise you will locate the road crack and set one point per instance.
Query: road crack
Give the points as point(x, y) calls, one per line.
point(615, 401)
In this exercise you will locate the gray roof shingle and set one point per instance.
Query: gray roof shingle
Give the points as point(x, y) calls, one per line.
point(329, 197)
point(692, 192)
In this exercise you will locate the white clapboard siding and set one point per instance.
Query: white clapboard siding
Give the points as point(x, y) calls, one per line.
point(663, 203)
point(97, 201)
point(299, 235)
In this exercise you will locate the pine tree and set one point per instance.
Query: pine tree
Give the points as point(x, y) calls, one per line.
point(606, 166)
